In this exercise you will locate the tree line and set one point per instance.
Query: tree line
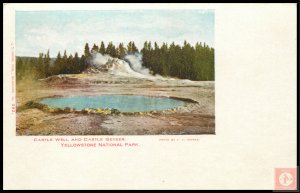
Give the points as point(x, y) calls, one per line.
point(189, 62)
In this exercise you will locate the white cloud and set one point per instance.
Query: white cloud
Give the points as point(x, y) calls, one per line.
point(73, 35)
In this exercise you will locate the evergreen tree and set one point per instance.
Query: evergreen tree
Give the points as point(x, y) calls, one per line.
point(64, 64)
point(83, 63)
point(69, 65)
point(95, 48)
point(111, 50)
point(57, 64)
point(122, 51)
point(76, 64)
point(47, 64)
point(40, 66)
point(134, 48)
point(131, 48)
point(87, 50)
point(102, 48)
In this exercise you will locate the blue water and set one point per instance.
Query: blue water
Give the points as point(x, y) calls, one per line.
point(124, 103)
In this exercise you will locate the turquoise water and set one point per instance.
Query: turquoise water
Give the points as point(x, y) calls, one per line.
point(124, 103)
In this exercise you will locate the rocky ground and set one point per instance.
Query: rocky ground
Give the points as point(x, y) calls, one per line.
point(196, 118)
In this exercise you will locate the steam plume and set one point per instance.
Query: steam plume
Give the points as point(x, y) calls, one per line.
point(135, 61)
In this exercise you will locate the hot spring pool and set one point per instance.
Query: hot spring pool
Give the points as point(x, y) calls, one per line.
point(124, 103)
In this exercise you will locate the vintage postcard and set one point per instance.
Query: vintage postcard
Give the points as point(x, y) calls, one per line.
point(115, 72)
point(150, 96)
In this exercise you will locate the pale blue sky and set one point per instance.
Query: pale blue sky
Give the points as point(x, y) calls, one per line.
point(38, 31)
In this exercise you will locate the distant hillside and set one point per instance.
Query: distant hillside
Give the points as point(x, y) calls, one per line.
point(52, 60)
